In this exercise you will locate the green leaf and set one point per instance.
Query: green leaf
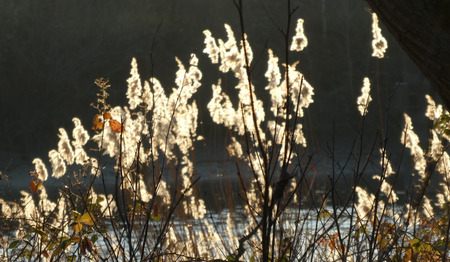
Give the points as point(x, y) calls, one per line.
point(25, 253)
point(57, 251)
point(137, 207)
point(436, 125)
point(101, 230)
point(284, 259)
point(100, 199)
point(51, 245)
point(324, 214)
point(94, 239)
point(14, 244)
point(361, 230)
point(64, 244)
point(89, 200)
point(156, 218)
point(415, 244)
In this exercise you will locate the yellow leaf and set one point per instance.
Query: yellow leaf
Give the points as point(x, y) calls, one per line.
point(87, 218)
point(39, 185)
point(75, 239)
point(324, 214)
point(116, 126)
point(98, 122)
point(106, 115)
point(77, 227)
point(33, 187)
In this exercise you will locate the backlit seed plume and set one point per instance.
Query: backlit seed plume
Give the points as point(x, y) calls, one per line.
point(40, 168)
point(188, 81)
point(443, 167)
point(147, 96)
point(80, 134)
point(277, 91)
point(231, 234)
point(428, 209)
point(62, 213)
point(229, 53)
point(273, 74)
point(145, 195)
point(64, 147)
point(444, 196)
point(235, 148)
point(187, 171)
point(365, 204)
point(221, 108)
point(10, 209)
point(301, 92)
point(299, 137)
point(232, 57)
point(161, 117)
point(211, 48)
point(58, 164)
point(134, 86)
point(385, 187)
point(300, 88)
point(135, 127)
point(29, 207)
point(434, 112)
point(299, 42)
point(195, 207)
point(163, 191)
point(437, 148)
point(240, 119)
point(107, 205)
point(411, 141)
point(274, 129)
point(45, 203)
point(81, 137)
point(365, 98)
point(379, 43)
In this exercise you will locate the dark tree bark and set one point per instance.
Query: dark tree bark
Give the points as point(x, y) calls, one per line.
point(422, 27)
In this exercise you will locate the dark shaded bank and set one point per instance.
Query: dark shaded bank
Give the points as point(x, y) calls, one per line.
point(50, 54)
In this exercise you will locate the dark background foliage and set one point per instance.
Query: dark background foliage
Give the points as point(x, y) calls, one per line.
point(52, 51)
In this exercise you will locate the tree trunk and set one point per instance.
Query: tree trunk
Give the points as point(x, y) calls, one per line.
point(423, 30)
